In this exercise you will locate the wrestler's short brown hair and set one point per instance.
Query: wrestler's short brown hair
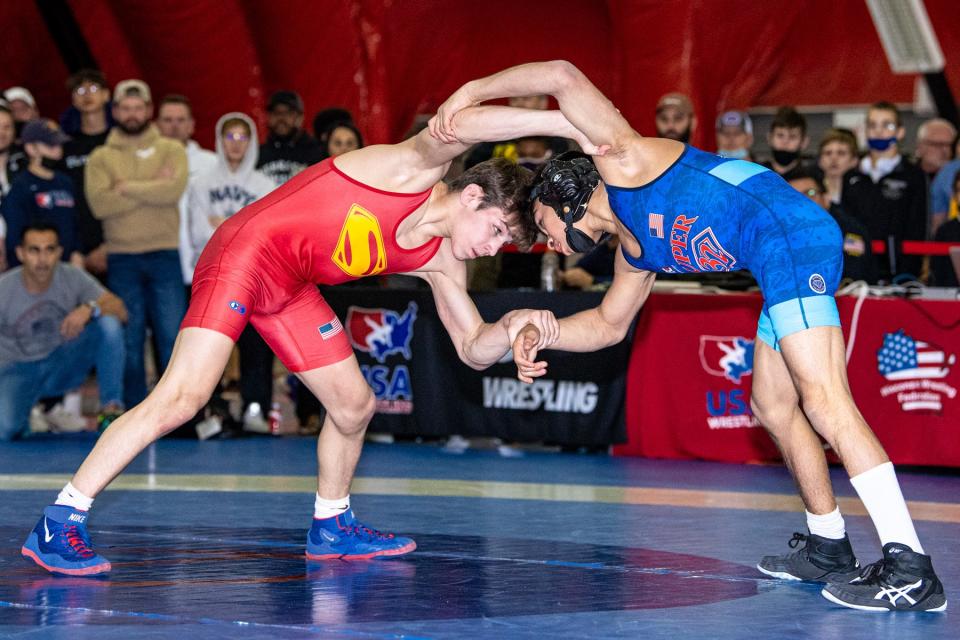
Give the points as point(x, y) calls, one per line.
point(505, 185)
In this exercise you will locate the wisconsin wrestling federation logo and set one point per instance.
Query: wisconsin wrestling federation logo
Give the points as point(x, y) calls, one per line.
point(730, 357)
point(916, 370)
point(381, 332)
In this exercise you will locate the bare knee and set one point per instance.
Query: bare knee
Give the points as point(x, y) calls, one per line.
point(172, 407)
point(353, 414)
point(775, 413)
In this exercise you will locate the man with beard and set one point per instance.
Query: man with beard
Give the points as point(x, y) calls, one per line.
point(133, 184)
point(675, 118)
point(289, 149)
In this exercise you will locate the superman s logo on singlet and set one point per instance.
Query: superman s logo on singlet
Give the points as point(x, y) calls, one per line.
point(360, 251)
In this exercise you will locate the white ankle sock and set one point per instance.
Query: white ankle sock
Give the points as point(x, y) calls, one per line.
point(71, 497)
point(829, 525)
point(329, 508)
point(880, 492)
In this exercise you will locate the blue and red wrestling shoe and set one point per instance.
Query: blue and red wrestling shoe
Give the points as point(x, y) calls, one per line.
point(344, 538)
point(60, 544)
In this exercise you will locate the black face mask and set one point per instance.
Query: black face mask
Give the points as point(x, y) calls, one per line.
point(785, 158)
point(49, 163)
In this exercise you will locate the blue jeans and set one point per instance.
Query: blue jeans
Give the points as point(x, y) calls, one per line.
point(22, 384)
point(151, 286)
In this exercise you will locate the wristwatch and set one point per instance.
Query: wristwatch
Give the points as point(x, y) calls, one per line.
point(94, 309)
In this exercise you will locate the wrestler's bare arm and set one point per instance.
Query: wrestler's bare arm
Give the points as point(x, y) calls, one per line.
point(479, 344)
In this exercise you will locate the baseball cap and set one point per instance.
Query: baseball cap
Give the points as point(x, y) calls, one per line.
point(676, 101)
point(288, 98)
point(43, 131)
point(736, 119)
point(131, 88)
point(19, 93)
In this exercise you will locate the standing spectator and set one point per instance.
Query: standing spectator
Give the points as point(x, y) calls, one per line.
point(943, 206)
point(42, 194)
point(837, 155)
point(212, 198)
point(22, 106)
point(888, 194)
point(935, 138)
point(175, 121)
point(90, 97)
point(858, 260)
point(675, 118)
point(734, 135)
point(56, 322)
point(787, 139)
point(12, 158)
point(289, 149)
point(134, 183)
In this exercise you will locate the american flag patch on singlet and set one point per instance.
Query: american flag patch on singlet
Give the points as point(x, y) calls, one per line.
point(655, 225)
point(330, 329)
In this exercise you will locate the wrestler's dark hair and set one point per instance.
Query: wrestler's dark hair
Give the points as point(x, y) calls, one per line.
point(883, 105)
point(506, 185)
point(789, 118)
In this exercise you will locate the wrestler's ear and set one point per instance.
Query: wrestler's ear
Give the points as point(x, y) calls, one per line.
point(472, 196)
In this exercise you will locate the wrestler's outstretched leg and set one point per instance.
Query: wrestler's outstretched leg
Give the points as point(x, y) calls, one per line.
point(59, 542)
point(350, 404)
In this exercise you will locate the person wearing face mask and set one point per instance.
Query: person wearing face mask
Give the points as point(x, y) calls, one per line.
point(734, 135)
point(787, 139)
point(42, 194)
point(889, 193)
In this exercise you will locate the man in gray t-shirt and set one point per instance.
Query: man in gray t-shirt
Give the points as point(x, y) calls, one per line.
point(56, 323)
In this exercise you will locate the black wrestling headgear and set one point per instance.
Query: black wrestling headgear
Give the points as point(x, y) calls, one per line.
point(566, 184)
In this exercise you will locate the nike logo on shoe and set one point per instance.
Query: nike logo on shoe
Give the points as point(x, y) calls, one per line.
point(326, 535)
point(77, 517)
point(47, 536)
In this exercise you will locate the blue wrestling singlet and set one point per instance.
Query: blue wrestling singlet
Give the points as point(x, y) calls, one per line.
point(707, 213)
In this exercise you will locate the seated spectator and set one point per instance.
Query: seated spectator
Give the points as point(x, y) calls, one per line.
point(326, 119)
point(787, 139)
point(941, 267)
point(675, 118)
point(935, 138)
point(836, 156)
point(508, 148)
point(42, 194)
point(56, 323)
point(594, 268)
point(943, 206)
point(341, 138)
point(858, 260)
point(889, 193)
point(735, 135)
point(12, 158)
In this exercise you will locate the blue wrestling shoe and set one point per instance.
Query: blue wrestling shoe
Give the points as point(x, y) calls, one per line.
point(344, 538)
point(60, 544)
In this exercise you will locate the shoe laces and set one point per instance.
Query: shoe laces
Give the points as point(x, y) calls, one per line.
point(875, 572)
point(366, 533)
point(797, 539)
point(78, 541)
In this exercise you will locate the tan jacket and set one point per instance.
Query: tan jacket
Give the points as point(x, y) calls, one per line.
point(153, 170)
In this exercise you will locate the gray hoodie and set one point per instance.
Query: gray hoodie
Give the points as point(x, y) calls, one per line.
point(220, 192)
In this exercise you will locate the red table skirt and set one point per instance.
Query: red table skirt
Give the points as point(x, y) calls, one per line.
point(688, 385)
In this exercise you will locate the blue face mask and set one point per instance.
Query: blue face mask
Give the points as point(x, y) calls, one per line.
point(736, 154)
point(881, 144)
